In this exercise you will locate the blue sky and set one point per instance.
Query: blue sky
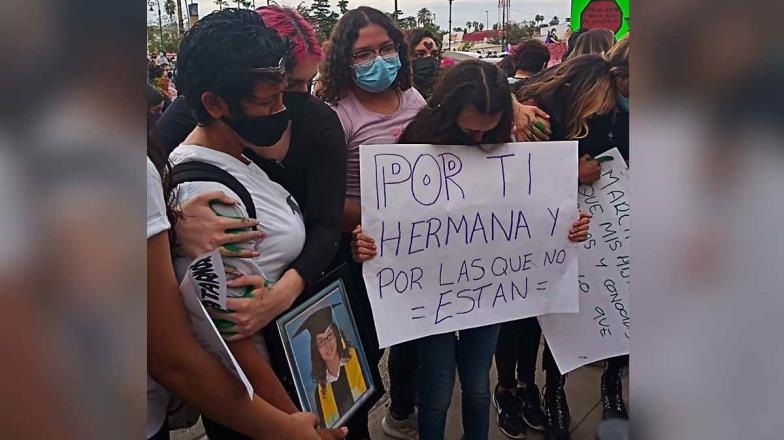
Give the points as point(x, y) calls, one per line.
point(462, 10)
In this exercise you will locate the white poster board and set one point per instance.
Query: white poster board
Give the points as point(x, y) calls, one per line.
point(468, 236)
point(602, 328)
point(205, 281)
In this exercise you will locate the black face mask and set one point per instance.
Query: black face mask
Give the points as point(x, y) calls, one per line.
point(261, 131)
point(425, 71)
point(296, 102)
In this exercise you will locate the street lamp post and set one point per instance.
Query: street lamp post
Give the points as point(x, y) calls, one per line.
point(160, 23)
point(450, 24)
point(487, 19)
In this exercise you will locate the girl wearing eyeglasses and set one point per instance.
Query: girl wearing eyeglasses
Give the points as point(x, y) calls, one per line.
point(366, 78)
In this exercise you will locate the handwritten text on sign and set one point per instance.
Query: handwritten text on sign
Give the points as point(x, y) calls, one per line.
point(468, 236)
point(602, 328)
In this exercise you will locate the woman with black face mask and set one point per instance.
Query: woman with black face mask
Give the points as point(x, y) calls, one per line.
point(425, 54)
point(302, 148)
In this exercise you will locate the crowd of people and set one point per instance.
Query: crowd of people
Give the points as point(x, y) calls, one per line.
point(257, 97)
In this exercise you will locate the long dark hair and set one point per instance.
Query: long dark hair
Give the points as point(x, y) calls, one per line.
point(319, 367)
point(472, 82)
point(336, 68)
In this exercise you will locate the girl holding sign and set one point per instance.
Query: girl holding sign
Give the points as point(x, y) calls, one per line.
point(572, 93)
point(471, 105)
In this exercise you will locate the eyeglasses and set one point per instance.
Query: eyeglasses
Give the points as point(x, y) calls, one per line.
point(366, 56)
point(321, 342)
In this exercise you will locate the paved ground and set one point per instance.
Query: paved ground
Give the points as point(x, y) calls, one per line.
point(582, 390)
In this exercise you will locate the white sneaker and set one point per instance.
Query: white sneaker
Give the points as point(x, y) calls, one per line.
point(401, 429)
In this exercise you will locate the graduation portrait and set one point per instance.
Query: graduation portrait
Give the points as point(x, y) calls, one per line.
point(325, 355)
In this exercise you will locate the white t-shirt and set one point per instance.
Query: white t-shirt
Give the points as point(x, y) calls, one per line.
point(278, 213)
point(157, 222)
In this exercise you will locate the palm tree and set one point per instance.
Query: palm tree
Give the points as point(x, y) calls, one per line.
point(424, 16)
point(481, 26)
point(475, 25)
point(468, 26)
point(554, 21)
point(222, 3)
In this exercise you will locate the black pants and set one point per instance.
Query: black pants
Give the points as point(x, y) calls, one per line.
point(618, 362)
point(402, 364)
point(517, 350)
point(163, 433)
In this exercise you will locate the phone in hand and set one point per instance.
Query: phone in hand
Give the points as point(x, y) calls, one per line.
point(604, 159)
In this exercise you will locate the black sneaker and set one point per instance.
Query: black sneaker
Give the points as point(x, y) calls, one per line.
point(613, 406)
point(531, 403)
point(556, 408)
point(510, 416)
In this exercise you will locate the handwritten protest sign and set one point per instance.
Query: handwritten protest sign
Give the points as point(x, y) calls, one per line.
point(602, 328)
point(205, 281)
point(557, 51)
point(468, 236)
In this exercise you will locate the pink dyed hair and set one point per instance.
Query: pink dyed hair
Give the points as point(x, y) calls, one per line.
point(289, 24)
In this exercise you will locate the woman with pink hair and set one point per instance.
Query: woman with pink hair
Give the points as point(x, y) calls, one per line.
point(309, 161)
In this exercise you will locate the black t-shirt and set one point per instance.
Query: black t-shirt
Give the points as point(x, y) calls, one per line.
point(606, 132)
point(313, 171)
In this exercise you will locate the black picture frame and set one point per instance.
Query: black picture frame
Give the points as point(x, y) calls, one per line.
point(279, 347)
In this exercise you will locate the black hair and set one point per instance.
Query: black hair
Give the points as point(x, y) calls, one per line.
point(471, 82)
point(530, 56)
point(507, 66)
point(217, 52)
point(336, 67)
point(415, 35)
point(154, 96)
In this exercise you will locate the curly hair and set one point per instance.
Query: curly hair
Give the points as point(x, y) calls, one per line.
point(217, 52)
point(319, 367)
point(289, 24)
point(336, 68)
point(471, 82)
point(530, 56)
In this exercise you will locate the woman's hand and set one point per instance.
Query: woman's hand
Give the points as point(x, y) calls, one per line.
point(199, 230)
point(588, 170)
point(363, 247)
point(303, 426)
point(579, 231)
point(525, 123)
point(267, 301)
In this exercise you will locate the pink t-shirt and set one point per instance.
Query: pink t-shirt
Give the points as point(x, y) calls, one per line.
point(364, 127)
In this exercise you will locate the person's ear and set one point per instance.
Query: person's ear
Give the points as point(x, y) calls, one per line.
point(215, 105)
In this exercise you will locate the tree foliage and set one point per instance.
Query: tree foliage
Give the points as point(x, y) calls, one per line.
point(321, 15)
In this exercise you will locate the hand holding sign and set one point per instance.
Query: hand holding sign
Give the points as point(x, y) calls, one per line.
point(467, 236)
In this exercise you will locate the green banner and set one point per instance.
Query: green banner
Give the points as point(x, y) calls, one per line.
point(601, 14)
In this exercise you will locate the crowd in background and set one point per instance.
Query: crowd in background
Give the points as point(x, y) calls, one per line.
point(254, 94)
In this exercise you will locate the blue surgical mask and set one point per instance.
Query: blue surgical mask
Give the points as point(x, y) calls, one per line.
point(623, 102)
point(377, 75)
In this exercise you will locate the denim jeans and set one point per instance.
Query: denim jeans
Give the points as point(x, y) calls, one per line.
point(472, 355)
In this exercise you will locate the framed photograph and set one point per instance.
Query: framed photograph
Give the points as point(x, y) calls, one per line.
point(326, 361)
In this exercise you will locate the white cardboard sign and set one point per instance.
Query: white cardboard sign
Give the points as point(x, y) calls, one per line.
point(468, 236)
point(602, 328)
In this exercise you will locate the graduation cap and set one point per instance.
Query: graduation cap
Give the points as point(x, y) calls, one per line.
point(318, 321)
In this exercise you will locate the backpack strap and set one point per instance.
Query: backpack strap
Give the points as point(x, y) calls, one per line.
point(195, 171)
